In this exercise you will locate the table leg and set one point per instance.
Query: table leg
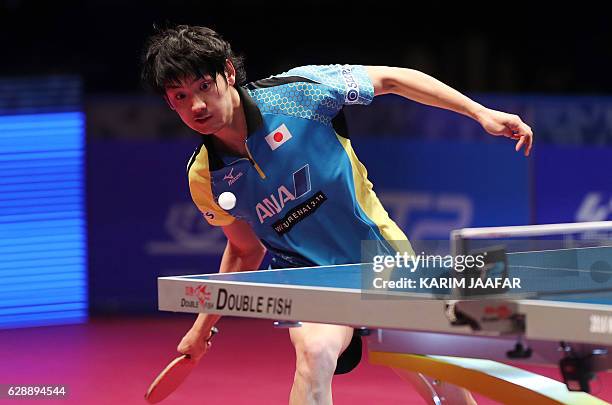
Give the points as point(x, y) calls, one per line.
point(498, 381)
point(436, 392)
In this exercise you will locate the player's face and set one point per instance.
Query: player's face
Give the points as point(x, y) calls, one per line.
point(204, 104)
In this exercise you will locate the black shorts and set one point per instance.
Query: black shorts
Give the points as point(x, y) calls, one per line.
point(351, 356)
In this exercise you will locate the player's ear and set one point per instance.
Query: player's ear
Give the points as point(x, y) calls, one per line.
point(168, 102)
point(230, 72)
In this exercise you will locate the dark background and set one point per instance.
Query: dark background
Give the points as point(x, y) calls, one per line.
point(506, 47)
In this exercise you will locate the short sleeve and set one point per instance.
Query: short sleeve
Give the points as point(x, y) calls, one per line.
point(350, 84)
point(201, 190)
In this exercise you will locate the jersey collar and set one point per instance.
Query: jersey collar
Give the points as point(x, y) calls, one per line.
point(254, 121)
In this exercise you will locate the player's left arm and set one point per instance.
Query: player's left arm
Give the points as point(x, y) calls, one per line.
point(422, 88)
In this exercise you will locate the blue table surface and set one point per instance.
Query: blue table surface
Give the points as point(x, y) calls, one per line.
point(568, 275)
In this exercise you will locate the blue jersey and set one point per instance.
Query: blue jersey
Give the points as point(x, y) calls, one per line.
point(302, 188)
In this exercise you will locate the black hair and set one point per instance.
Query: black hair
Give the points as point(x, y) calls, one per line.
point(172, 54)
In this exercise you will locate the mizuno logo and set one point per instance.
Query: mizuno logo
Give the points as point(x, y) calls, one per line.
point(231, 179)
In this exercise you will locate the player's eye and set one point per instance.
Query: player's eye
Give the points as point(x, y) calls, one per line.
point(205, 85)
point(179, 96)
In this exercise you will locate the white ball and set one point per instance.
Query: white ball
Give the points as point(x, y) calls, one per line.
point(227, 200)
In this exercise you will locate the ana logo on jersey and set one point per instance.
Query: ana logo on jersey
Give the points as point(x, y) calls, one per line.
point(278, 137)
point(274, 204)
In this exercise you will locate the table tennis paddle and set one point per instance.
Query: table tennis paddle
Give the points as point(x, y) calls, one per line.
point(172, 376)
point(169, 379)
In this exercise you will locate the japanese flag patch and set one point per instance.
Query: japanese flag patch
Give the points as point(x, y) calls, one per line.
point(278, 137)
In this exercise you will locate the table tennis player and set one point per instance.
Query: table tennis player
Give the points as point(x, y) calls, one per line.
point(276, 170)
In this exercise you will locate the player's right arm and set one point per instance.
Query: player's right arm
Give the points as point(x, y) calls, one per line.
point(243, 252)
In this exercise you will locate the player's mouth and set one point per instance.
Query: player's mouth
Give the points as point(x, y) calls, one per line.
point(202, 120)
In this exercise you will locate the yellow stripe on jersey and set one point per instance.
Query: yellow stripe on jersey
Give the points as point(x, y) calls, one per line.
point(200, 186)
point(370, 204)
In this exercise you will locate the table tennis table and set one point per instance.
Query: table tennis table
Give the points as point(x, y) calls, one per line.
point(561, 316)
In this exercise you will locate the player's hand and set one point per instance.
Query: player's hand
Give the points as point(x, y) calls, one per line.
point(499, 123)
point(195, 344)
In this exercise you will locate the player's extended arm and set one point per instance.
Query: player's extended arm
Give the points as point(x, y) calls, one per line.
point(425, 89)
point(243, 252)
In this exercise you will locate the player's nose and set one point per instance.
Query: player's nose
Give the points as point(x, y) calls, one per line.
point(198, 105)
